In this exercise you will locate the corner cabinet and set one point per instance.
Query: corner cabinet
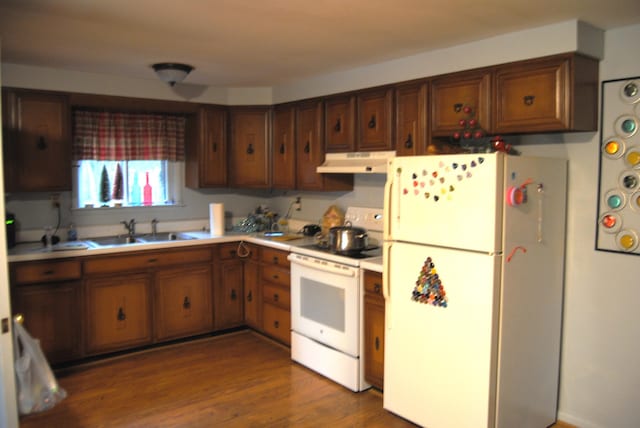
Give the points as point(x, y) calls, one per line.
point(411, 119)
point(249, 147)
point(373, 329)
point(552, 94)
point(452, 94)
point(206, 149)
point(310, 151)
point(37, 141)
point(283, 157)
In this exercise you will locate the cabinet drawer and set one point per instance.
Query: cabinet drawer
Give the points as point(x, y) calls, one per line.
point(276, 275)
point(241, 250)
point(277, 323)
point(145, 260)
point(47, 271)
point(373, 283)
point(275, 257)
point(277, 296)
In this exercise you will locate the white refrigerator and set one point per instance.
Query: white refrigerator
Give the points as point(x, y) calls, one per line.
point(473, 282)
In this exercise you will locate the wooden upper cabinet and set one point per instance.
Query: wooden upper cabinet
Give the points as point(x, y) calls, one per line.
point(206, 154)
point(411, 119)
point(283, 163)
point(550, 94)
point(339, 129)
point(375, 120)
point(249, 160)
point(37, 139)
point(450, 94)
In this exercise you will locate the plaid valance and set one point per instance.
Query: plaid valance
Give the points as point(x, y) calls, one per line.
point(103, 135)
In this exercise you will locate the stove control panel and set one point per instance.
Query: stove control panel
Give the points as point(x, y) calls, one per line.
point(368, 218)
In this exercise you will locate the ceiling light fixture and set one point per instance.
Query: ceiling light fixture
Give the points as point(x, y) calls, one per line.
point(172, 72)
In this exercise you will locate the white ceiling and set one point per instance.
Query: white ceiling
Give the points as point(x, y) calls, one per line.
point(236, 43)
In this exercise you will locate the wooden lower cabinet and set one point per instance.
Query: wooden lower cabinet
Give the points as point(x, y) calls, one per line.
point(373, 329)
point(51, 313)
point(228, 295)
point(118, 312)
point(252, 295)
point(277, 323)
point(275, 279)
point(183, 302)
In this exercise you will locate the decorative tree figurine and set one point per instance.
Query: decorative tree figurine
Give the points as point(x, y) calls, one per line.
point(105, 195)
point(117, 185)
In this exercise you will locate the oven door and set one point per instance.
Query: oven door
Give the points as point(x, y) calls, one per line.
point(324, 302)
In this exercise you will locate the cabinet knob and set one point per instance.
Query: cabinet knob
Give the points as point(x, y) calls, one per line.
point(528, 99)
point(48, 272)
point(276, 297)
point(234, 295)
point(409, 143)
point(457, 107)
point(282, 148)
point(215, 146)
point(377, 287)
point(338, 126)
point(372, 122)
point(307, 147)
point(276, 324)
point(152, 260)
point(121, 315)
point(275, 276)
point(377, 343)
point(250, 296)
point(186, 303)
point(275, 260)
point(250, 149)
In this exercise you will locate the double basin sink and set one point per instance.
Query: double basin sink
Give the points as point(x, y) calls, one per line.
point(111, 241)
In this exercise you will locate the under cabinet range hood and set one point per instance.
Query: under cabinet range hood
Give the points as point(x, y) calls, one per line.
point(356, 162)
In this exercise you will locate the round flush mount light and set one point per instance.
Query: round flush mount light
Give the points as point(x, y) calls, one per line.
point(172, 72)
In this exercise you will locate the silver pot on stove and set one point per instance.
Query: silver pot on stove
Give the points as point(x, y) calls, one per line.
point(347, 239)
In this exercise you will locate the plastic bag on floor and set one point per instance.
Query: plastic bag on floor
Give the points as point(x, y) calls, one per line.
point(37, 387)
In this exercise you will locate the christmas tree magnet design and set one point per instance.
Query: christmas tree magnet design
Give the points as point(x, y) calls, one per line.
point(429, 288)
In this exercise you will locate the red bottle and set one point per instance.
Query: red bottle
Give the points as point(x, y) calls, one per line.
point(147, 192)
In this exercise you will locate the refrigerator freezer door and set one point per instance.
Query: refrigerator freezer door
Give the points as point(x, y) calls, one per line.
point(449, 200)
point(440, 362)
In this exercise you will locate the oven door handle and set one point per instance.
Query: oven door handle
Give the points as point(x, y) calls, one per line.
point(323, 266)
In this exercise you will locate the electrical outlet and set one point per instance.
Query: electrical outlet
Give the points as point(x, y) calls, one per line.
point(55, 200)
point(297, 205)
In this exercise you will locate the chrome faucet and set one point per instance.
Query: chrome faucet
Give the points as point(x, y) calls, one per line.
point(154, 226)
point(130, 226)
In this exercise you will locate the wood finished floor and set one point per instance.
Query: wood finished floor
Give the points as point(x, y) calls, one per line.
point(235, 380)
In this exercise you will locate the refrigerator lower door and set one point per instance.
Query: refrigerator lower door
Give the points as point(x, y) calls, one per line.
point(440, 361)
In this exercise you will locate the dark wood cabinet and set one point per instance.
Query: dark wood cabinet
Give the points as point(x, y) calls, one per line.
point(230, 295)
point(182, 303)
point(310, 151)
point(373, 329)
point(206, 149)
point(283, 163)
point(460, 96)
point(249, 147)
point(553, 94)
point(411, 119)
point(340, 123)
point(375, 120)
point(252, 294)
point(37, 141)
point(276, 294)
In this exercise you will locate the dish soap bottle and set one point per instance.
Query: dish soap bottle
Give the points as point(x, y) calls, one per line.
point(72, 234)
point(147, 192)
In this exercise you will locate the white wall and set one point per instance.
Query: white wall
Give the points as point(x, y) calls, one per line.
point(600, 378)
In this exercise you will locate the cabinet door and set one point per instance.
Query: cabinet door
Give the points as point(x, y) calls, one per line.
point(375, 120)
point(373, 329)
point(249, 165)
point(541, 96)
point(38, 141)
point(252, 296)
point(118, 312)
point(411, 119)
point(277, 323)
point(51, 315)
point(206, 156)
point(183, 302)
point(340, 116)
point(229, 302)
point(283, 164)
point(451, 94)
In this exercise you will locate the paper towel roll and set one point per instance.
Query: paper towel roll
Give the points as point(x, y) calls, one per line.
point(216, 219)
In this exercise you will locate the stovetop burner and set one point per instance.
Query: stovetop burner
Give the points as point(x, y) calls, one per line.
point(363, 254)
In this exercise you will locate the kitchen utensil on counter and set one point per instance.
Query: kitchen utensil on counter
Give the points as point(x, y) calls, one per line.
point(347, 239)
point(310, 229)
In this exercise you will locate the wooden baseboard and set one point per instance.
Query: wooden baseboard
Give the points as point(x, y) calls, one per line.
point(561, 424)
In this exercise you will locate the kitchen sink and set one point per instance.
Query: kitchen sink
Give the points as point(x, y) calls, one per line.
point(165, 236)
point(111, 241)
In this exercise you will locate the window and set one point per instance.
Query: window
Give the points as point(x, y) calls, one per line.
point(127, 159)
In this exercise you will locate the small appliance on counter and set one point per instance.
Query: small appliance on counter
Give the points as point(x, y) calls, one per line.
point(310, 229)
point(10, 221)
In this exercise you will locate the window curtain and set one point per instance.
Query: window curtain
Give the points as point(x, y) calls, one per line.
point(101, 135)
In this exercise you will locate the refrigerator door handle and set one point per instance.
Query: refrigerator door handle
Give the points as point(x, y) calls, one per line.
point(386, 272)
point(388, 187)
